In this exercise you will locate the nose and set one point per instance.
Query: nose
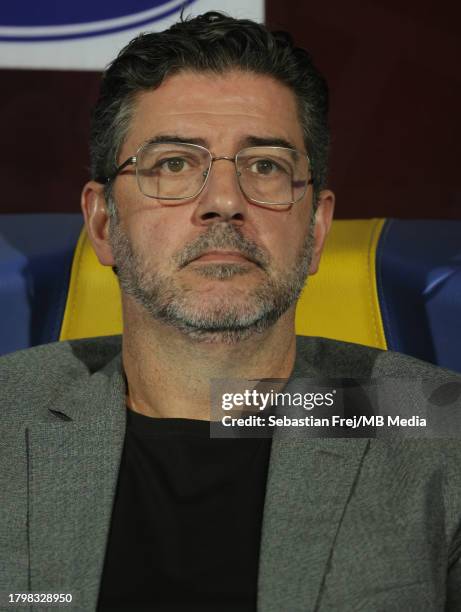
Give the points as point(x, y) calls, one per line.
point(221, 199)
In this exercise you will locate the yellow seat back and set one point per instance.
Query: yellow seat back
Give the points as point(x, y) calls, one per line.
point(93, 306)
point(341, 300)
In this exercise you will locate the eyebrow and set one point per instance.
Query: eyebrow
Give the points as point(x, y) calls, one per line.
point(248, 141)
point(257, 141)
point(177, 139)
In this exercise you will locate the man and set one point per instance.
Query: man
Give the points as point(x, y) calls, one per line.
point(209, 200)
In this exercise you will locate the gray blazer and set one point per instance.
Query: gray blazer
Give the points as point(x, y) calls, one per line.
point(353, 525)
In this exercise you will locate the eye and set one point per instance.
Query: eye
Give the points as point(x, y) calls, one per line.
point(173, 164)
point(265, 167)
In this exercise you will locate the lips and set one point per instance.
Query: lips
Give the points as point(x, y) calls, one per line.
point(221, 245)
point(221, 256)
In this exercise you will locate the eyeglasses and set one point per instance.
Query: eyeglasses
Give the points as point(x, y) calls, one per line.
point(172, 171)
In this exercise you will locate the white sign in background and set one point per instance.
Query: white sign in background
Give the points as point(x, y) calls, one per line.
point(82, 40)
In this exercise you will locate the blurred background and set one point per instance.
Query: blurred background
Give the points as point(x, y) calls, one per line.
point(392, 66)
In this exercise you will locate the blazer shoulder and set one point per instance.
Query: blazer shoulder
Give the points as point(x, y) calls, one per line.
point(335, 358)
point(35, 376)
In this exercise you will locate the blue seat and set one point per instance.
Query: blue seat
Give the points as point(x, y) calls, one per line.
point(418, 270)
point(36, 252)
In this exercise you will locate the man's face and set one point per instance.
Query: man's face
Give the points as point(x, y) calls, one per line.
point(217, 267)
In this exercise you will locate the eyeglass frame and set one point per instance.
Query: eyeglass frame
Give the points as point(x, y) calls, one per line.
point(132, 160)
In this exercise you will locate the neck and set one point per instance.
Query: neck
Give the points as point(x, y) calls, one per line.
point(169, 374)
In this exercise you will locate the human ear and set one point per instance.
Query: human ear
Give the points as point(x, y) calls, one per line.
point(95, 213)
point(323, 219)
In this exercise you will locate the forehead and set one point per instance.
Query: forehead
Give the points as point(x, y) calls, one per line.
point(223, 110)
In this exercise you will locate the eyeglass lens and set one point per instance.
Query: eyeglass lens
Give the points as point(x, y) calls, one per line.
point(269, 175)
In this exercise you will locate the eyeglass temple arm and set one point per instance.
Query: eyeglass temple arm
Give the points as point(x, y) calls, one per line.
point(108, 179)
point(302, 183)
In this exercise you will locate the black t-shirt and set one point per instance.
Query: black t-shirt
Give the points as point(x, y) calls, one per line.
point(186, 522)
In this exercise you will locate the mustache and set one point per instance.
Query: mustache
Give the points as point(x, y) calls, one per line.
point(222, 236)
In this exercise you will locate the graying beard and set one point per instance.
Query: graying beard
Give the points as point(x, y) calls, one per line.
point(234, 327)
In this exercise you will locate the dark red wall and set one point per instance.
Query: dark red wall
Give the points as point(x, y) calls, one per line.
point(395, 78)
point(45, 118)
point(393, 68)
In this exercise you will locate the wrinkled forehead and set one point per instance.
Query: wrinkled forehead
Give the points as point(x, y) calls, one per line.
point(219, 108)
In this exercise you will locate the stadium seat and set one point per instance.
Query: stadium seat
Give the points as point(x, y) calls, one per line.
point(394, 284)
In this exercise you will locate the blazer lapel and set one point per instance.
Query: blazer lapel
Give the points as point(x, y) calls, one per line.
point(309, 484)
point(73, 462)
